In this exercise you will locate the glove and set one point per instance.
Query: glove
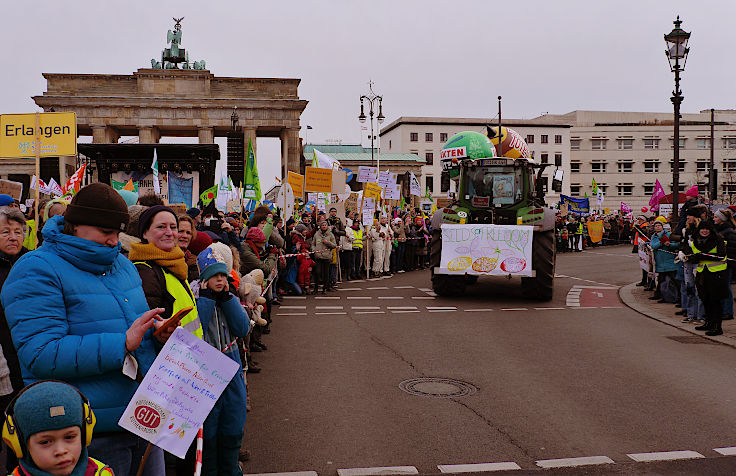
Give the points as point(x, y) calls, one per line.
point(680, 257)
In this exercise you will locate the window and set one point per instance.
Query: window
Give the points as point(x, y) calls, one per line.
point(729, 142)
point(598, 167)
point(651, 166)
point(558, 139)
point(702, 188)
point(445, 182)
point(414, 136)
point(575, 167)
point(729, 165)
point(574, 144)
point(429, 183)
point(651, 143)
point(429, 156)
point(603, 188)
point(558, 158)
point(625, 143)
point(544, 138)
point(598, 144)
point(575, 189)
point(702, 143)
point(729, 188)
point(428, 137)
point(530, 138)
point(702, 165)
point(625, 189)
point(443, 136)
point(681, 187)
point(544, 158)
point(682, 143)
point(648, 188)
point(682, 165)
point(625, 166)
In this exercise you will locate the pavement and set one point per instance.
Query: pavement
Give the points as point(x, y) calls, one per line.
point(636, 298)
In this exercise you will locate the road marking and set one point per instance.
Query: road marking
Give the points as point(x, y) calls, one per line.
point(329, 307)
point(358, 281)
point(431, 293)
point(292, 307)
point(584, 461)
point(665, 455)
point(370, 312)
point(477, 467)
point(294, 297)
point(293, 473)
point(390, 297)
point(478, 310)
point(403, 287)
point(423, 297)
point(291, 314)
point(378, 471)
point(404, 311)
point(377, 287)
point(330, 313)
point(426, 290)
point(327, 297)
point(402, 307)
point(359, 297)
point(729, 451)
point(550, 308)
point(368, 308)
point(579, 286)
point(585, 280)
point(441, 307)
point(350, 289)
point(585, 307)
point(514, 309)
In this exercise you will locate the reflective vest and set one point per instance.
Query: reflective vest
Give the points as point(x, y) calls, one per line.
point(183, 297)
point(30, 242)
point(358, 241)
point(712, 265)
point(579, 230)
point(637, 236)
point(101, 469)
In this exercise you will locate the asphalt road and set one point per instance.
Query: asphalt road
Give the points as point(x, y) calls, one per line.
point(580, 376)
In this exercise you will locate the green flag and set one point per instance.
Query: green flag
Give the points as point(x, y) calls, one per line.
point(121, 185)
point(315, 161)
point(595, 187)
point(251, 183)
point(402, 204)
point(208, 195)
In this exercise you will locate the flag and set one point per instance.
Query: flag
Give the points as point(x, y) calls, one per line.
point(42, 187)
point(131, 185)
point(251, 183)
point(625, 209)
point(595, 188)
point(54, 188)
point(402, 204)
point(75, 181)
point(324, 161)
point(414, 187)
point(428, 194)
point(180, 189)
point(657, 195)
point(315, 161)
point(208, 195)
point(154, 167)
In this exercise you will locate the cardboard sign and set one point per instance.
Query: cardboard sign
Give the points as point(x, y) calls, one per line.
point(318, 180)
point(14, 189)
point(367, 174)
point(57, 135)
point(233, 206)
point(178, 392)
point(297, 184)
point(351, 203)
point(338, 181)
point(179, 208)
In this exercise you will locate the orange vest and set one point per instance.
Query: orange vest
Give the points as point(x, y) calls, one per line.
point(636, 234)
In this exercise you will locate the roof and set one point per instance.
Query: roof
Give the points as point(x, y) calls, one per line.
point(467, 121)
point(327, 148)
point(357, 153)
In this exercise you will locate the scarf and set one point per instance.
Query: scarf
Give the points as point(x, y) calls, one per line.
point(173, 261)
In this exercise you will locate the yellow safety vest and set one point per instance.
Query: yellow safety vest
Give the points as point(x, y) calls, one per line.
point(712, 265)
point(30, 242)
point(102, 469)
point(358, 241)
point(183, 297)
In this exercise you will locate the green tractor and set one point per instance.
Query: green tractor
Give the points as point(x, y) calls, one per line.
point(494, 189)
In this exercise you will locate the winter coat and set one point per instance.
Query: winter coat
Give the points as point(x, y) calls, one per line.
point(249, 261)
point(338, 227)
point(664, 254)
point(321, 250)
point(69, 319)
point(399, 232)
point(346, 242)
point(379, 241)
point(422, 238)
point(729, 235)
point(10, 373)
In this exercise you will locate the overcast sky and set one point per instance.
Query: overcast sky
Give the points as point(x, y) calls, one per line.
point(427, 58)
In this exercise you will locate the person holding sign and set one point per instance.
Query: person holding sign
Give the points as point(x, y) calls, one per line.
point(83, 318)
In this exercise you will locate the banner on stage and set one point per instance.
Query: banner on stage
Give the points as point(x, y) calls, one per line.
point(178, 392)
point(495, 250)
point(577, 206)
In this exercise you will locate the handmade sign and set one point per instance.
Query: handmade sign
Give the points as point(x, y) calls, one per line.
point(178, 392)
point(318, 180)
point(14, 189)
point(297, 184)
point(233, 206)
point(367, 174)
point(392, 191)
point(595, 231)
point(386, 178)
point(496, 250)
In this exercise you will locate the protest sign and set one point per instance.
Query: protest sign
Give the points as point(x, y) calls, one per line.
point(367, 217)
point(595, 231)
point(338, 181)
point(14, 189)
point(496, 250)
point(318, 180)
point(393, 191)
point(178, 208)
point(576, 206)
point(351, 203)
point(372, 190)
point(297, 184)
point(367, 174)
point(178, 392)
point(233, 206)
point(386, 178)
point(414, 187)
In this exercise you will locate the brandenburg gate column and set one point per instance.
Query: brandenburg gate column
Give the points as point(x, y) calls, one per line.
point(206, 135)
point(289, 150)
point(149, 135)
point(102, 134)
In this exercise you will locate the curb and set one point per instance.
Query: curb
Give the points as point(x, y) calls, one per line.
point(627, 296)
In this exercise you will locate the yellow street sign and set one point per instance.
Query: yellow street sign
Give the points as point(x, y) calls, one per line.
point(58, 135)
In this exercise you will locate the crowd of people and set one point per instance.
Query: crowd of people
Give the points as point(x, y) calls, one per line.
point(109, 267)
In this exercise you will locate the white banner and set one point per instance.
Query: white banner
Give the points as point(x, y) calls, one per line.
point(386, 178)
point(414, 187)
point(367, 174)
point(494, 250)
point(178, 392)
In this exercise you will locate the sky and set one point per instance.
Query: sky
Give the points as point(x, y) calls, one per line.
point(448, 58)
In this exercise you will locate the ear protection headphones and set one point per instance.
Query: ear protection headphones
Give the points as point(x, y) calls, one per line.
point(15, 439)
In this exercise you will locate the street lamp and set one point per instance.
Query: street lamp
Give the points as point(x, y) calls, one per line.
point(372, 99)
point(677, 51)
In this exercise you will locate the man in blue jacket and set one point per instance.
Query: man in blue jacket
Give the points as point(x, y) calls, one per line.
point(77, 313)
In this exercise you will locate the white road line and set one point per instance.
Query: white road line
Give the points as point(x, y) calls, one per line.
point(374, 288)
point(581, 279)
point(359, 297)
point(584, 461)
point(291, 314)
point(401, 307)
point(293, 473)
point(578, 286)
point(729, 451)
point(329, 307)
point(423, 297)
point(665, 455)
point(330, 313)
point(549, 308)
point(426, 290)
point(378, 471)
point(365, 308)
point(403, 287)
point(391, 297)
point(477, 310)
point(292, 307)
point(358, 281)
point(404, 312)
point(514, 309)
point(477, 467)
point(370, 312)
point(327, 297)
point(294, 297)
point(443, 308)
point(350, 289)
point(431, 293)
point(585, 307)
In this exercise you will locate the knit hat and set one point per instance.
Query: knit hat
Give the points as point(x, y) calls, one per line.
point(301, 228)
point(194, 212)
point(696, 211)
point(290, 222)
point(98, 204)
point(722, 215)
point(130, 197)
point(256, 235)
point(211, 262)
point(692, 191)
point(661, 219)
point(48, 406)
point(147, 217)
point(199, 243)
point(6, 200)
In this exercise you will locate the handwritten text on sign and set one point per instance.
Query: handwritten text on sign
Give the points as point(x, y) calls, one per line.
point(178, 392)
point(498, 250)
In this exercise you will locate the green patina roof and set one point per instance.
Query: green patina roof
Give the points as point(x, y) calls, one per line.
point(357, 153)
point(327, 148)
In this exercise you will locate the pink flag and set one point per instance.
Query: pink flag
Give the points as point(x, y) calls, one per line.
point(657, 195)
point(625, 208)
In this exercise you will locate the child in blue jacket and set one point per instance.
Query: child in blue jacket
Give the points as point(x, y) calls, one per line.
point(223, 319)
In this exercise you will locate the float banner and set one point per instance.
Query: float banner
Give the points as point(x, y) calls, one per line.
point(578, 206)
point(58, 135)
point(595, 231)
point(178, 392)
point(493, 250)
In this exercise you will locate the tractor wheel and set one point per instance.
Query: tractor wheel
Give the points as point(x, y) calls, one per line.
point(541, 287)
point(443, 284)
point(471, 279)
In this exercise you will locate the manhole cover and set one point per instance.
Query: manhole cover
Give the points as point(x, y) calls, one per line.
point(692, 340)
point(437, 387)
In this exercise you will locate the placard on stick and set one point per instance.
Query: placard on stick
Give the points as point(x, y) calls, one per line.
point(318, 180)
point(14, 189)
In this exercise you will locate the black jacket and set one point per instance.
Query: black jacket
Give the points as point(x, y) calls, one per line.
point(6, 340)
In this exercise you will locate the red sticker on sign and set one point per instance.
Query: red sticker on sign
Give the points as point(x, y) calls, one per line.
point(147, 416)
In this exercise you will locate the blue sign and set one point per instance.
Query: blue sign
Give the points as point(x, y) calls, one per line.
point(180, 190)
point(348, 175)
point(578, 206)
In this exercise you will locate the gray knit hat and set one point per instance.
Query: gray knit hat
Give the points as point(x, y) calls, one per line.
point(48, 406)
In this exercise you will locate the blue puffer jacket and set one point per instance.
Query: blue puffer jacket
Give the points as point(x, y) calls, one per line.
point(68, 305)
point(664, 255)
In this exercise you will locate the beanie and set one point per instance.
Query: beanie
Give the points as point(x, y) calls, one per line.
point(48, 405)
point(255, 234)
point(98, 204)
point(722, 215)
point(692, 191)
point(301, 228)
point(661, 219)
point(147, 217)
point(130, 197)
point(6, 200)
point(193, 212)
point(209, 264)
point(199, 243)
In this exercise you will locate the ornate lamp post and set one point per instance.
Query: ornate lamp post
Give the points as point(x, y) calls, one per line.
point(677, 51)
point(372, 99)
